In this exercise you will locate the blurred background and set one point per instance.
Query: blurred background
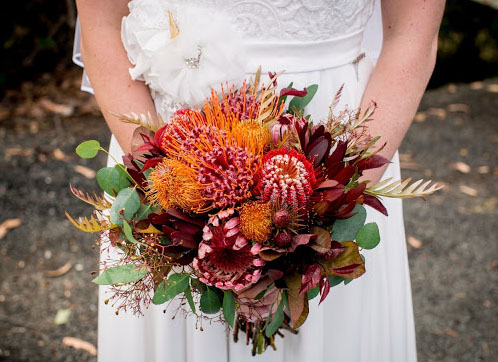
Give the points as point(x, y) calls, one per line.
point(48, 307)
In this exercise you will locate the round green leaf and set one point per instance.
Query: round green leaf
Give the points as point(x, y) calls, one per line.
point(112, 179)
point(276, 321)
point(368, 236)
point(300, 102)
point(345, 230)
point(210, 303)
point(228, 307)
point(168, 289)
point(313, 292)
point(128, 273)
point(88, 149)
point(127, 200)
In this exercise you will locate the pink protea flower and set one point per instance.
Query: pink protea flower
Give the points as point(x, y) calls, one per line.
point(283, 125)
point(226, 259)
point(286, 178)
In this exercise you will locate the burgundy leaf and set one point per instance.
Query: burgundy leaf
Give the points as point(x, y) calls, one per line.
point(275, 274)
point(374, 202)
point(272, 75)
point(372, 162)
point(311, 278)
point(327, 184)
point(186, 258)
point(145, 147)
point(344, 176)
point(324, 288)
point(301, 239)
point(151, 162)
point(334, 251)
point(167, 230)
point(179, 238)
point(158, 137)
point(318, 151)
point(180, 215)
point(293, 92)
point(332, 194)
point(186, 227)
point(352, 195)
point(338, 154)
point(346, 269)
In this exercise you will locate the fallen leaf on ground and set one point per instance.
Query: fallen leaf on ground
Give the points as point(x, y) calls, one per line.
point(18, 151)
point(459, 107)
point(463, 152)
point(60, 271)
point(62, 316)
point(62, 109)
point(7, 225)
point(420, 117)
point(452, 88)
point(451, 332)
point(461, 167)
point(476, 85)
point(78, 343)
point(85, 171)
point(467, 190)
point(483, 170)
point(60, 155)
point(493, 88)
point(438, 112)
point(415, 243)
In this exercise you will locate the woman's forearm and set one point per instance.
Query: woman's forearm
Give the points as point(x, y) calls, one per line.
point(402, 72)
point(108, 66)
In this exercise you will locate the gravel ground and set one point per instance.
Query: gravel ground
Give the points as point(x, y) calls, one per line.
point(452, 237)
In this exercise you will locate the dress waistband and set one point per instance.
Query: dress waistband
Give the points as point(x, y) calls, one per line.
point(296, 57)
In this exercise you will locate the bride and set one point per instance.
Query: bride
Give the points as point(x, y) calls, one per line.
point(315, 41)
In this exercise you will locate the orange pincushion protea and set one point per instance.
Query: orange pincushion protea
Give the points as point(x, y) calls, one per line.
point(256, 221)
point(174, 185)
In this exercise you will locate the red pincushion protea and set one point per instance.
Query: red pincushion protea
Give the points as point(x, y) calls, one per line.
point(287, 178)
point(226, 259)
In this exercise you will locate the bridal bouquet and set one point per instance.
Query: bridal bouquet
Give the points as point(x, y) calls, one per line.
point(244, 208)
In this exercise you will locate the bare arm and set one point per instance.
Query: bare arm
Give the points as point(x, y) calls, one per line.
point(405, 65)
point(107, 65)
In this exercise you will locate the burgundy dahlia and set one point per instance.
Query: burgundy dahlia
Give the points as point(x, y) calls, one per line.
point(226, 259)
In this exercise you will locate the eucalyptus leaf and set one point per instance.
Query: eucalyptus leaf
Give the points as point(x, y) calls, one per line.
point(88, 149)
point(335, 280)
point(298, 103)
point(170, 288)
point(210, 302)
point(368, 236)
point(312, 293)
point(128, 273)
point(228, 307)
point(128, 232)
point(345, 230)
point(127, 200)
point(112, 179)
point(276, 321)
point(144, 211)
point(190, 299)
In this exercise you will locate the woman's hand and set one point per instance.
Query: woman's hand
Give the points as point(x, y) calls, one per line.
point(403, 70)
point(107, 65)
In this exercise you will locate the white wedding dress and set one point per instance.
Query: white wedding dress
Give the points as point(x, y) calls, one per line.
point(370, 319)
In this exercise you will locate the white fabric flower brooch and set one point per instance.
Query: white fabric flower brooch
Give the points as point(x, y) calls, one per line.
point(182, 53)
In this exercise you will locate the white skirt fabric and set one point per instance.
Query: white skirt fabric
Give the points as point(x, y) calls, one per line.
point(370, 319)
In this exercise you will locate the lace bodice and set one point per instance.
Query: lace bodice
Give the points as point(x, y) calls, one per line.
point(284, 20)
